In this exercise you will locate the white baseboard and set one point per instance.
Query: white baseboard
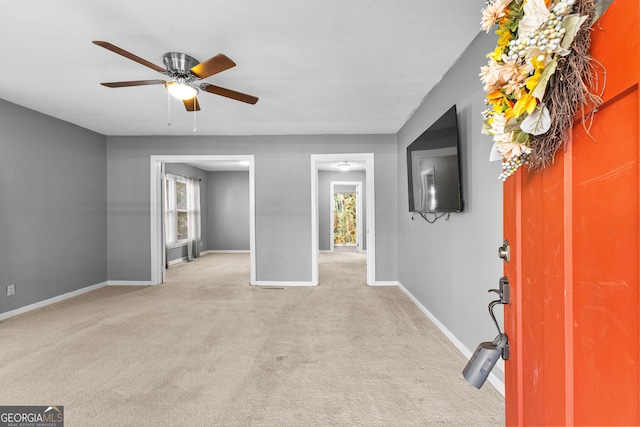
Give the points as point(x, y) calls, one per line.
point(493, 379)
point(34, 306)
point(177, 261)
point(329, 251)
point(217, 251)
point(277, 284)
point(128, 283)
point(381, 283)
point(185, 259)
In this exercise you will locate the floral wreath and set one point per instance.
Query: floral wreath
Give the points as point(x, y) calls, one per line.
point(537, 77)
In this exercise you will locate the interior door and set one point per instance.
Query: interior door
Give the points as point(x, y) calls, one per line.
point(573, 322)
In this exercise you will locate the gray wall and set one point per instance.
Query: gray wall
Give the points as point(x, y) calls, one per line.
point(228, 211)
point(283, 199)
point(191, 172)
point(53, 197)
point(324, 205)
point(449, 266)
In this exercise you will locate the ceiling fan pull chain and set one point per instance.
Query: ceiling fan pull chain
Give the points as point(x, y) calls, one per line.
point(195, 110)
point(168, 109)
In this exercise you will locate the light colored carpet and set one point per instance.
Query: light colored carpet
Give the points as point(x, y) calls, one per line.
point(208, 349)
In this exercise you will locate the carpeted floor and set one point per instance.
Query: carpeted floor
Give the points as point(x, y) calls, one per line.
point(208, 349)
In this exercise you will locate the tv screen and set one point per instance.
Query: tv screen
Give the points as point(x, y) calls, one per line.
point(433, 167)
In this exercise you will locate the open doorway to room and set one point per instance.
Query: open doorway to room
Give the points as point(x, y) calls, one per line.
point(345, 174)
point(213, 167)
point(345, 204)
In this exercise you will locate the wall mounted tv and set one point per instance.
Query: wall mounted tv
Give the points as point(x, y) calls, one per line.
point(433, 167)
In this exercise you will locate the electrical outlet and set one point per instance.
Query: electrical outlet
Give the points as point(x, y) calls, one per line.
point(11, 290)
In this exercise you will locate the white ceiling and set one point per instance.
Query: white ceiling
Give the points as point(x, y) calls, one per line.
point(321, 67)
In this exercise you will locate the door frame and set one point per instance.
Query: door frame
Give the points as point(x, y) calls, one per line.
point(368, 158)
point(358, 187)
point(156, 174)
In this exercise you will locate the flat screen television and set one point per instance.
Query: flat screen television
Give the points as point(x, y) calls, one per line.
point(433, 167)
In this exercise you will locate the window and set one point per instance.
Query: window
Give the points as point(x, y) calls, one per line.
point(175, 210)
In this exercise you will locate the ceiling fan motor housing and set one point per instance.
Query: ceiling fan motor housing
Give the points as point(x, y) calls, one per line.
point(180, 65)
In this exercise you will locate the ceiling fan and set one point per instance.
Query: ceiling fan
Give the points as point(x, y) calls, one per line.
point(184, 72)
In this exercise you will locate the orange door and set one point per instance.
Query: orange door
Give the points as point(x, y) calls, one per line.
point(573, 321)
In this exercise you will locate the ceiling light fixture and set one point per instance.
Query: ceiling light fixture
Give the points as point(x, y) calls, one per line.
point(344, 166)
point(181, 90)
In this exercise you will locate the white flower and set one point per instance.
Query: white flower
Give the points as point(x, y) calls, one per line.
point(504, 140)
point(510, 149)
point(514, 75)
point(491, 76)
point(497, 125)
point(493, 12)
point(508, 77)
point(535, 14)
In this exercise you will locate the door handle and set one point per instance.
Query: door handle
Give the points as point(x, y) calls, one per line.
point(504, 291)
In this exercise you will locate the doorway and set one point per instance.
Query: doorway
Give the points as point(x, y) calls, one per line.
point(345, 206)
point(156, 211)
point(318, 161)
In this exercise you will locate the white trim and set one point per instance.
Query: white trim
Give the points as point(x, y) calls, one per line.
point(179, 244)
point(210, 251)
point(383, 283)
point(177, 260)
point(496, 382)
point(157, 239)
point(130, 283)
point(370, 220)
point(252, 217)
point(34, 306)
point(358, 187)
point(156, 162)
point(225, 251)
point(282, 284)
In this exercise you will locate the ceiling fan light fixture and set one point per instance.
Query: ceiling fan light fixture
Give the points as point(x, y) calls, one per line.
point(344, 166)
point(181, 90)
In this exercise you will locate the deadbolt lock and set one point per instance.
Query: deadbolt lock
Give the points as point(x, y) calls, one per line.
point(504, 251)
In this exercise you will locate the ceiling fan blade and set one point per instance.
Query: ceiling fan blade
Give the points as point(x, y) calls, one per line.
point(134, 83)
point(189, 104)
point(212, 66)
point(129, 55)
point(228, 93)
